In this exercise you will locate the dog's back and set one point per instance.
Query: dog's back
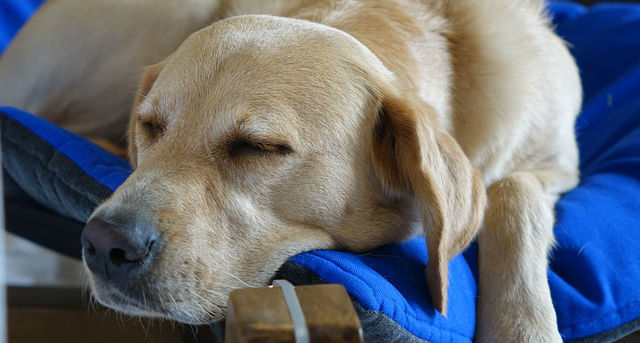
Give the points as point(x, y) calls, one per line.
point(516, 87)
point(77, 62)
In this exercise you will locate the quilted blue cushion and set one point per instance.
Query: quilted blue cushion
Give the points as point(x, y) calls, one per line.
point(595, 268)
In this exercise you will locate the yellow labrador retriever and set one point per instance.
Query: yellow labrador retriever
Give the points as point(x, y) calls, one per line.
point(295, 125)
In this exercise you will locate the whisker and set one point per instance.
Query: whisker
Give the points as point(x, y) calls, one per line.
point(241, 281)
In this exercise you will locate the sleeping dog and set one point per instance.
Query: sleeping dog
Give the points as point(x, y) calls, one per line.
point(286, 126)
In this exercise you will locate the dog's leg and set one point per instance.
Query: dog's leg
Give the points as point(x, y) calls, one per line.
point(514, 303)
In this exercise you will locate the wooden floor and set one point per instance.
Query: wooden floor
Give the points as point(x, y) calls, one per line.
point(64, 315)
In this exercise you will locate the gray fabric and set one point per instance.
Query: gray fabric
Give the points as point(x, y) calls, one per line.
point(611, 335)
point(378, 327)
point(46, 175)
point(26, 218)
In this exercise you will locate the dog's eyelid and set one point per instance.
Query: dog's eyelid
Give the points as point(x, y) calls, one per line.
point(246, 146)
point(151, 126)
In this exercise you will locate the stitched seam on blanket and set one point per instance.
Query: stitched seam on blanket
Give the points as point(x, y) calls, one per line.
point(54, 172)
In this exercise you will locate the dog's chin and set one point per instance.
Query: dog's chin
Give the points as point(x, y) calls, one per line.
point(115, 301)
point(151, 306)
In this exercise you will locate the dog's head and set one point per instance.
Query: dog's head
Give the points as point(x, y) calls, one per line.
point(260, 138)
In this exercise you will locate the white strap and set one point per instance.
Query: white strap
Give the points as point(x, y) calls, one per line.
point(300, 330)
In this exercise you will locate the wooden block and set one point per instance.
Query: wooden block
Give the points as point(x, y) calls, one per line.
point(261, 315)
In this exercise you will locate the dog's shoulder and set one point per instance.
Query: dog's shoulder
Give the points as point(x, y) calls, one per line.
point(515, 86)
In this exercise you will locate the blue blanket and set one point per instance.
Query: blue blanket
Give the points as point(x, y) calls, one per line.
point(595, 268)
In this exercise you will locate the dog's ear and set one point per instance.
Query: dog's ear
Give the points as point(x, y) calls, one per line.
point(148, 79)
point(413, 154)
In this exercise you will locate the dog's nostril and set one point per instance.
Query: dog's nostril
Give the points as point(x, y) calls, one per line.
point(117, 257)
point(149, 247)
point(91, 249)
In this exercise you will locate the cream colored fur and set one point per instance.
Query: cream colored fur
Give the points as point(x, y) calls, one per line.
point(360, 123)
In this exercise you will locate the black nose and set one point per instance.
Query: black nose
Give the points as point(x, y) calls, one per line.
point(117, 252)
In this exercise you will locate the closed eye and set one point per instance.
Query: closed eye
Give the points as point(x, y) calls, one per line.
point(152, 128)
point(246, 147)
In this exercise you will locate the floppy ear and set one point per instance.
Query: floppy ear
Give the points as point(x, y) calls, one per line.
point(149, 77)
point(412, 154)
